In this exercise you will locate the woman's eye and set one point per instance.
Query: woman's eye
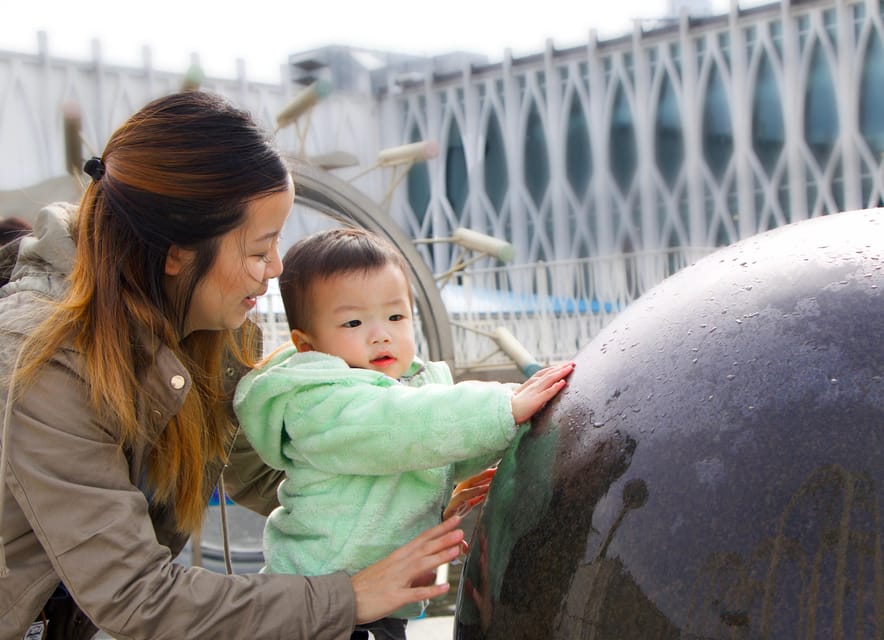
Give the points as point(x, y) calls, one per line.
point(350, 324)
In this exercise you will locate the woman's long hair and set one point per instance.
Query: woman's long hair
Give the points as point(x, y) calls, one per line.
point(181, 171)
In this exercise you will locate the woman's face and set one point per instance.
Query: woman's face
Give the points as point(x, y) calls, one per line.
point(248, 256)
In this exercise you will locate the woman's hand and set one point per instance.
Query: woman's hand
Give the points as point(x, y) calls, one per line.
point(406, 575)
point(539, 389)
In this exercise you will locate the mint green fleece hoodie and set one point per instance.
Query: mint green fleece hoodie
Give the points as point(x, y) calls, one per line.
point(370, 461)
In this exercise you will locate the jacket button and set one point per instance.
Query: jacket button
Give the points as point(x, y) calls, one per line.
point(177, 382)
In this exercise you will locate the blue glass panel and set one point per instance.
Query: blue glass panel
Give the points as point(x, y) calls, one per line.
point(622, 151)
point(675, 53)
point(751, 37)
point(776, 34)
point(496, 179)
point(859, 16)
point(837, 188)
point(578, 156)
point(668, 135)
point(830, 19)
point(536, 156)
point(803, 30)
point(812, 192)
point(724, 45)
point(768, 129)
point(718, 138)
point(418, 185)
point(871, 113)
point(820, 110)
point(456, 186)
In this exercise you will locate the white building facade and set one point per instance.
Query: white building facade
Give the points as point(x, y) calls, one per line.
point(608, 166)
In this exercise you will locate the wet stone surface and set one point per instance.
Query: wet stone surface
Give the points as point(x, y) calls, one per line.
point(715, 468)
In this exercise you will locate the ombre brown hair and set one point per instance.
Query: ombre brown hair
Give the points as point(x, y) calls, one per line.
point(181, 171)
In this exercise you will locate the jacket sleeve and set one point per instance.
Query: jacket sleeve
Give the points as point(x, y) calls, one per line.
point(342, 420)
point(71, 480)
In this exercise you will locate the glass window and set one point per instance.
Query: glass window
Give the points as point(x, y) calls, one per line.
point(456, 185)
point(859, 18)
point(622, 150)
point(820, 110)
point(751, 37)
point(803, 30)
point(418, 185)
point(830, 19)
point(675, 54)
point(668, 135)
point(496, 179)
point(768, 130)
point(724, 44)
point(536, 156)
point(578, 153)
point(718, 139)
point(776, 36)
point(871, 99)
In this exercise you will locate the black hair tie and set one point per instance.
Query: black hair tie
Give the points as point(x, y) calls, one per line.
point(94, 168)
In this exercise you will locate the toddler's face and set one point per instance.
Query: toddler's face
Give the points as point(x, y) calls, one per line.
point(364, 318)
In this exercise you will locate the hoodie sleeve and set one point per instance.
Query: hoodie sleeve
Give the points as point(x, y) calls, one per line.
point(313, 409)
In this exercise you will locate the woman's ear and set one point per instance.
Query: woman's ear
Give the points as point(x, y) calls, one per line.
point(301, 341)
point(177, 259)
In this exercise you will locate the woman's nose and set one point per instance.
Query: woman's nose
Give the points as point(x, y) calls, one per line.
point(274, 267)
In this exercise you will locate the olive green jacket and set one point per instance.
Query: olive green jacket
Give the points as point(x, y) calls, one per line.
point(73, 509)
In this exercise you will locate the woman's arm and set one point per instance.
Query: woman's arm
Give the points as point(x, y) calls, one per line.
point(71, 481)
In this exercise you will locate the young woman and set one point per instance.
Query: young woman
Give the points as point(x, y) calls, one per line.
point(122, 335)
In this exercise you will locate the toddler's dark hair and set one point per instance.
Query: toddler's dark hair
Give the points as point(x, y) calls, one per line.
point(329, 253)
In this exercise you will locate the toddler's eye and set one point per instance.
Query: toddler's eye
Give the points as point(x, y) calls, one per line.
point(396, 317)
point(350, 324)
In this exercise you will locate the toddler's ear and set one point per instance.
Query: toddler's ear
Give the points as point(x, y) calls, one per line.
point(301, 341)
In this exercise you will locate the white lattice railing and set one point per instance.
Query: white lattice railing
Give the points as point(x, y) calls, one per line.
point(553, 309)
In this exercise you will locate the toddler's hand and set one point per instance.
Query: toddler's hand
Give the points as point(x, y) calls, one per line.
point(539, 389)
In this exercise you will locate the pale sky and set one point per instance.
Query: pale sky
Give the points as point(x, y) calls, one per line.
point(264, 32)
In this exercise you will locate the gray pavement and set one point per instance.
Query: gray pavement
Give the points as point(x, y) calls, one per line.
point(436, 628)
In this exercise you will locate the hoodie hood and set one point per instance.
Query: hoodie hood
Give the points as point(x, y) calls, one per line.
point(46, 256)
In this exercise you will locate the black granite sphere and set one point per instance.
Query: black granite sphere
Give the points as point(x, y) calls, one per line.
point(715, 467)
